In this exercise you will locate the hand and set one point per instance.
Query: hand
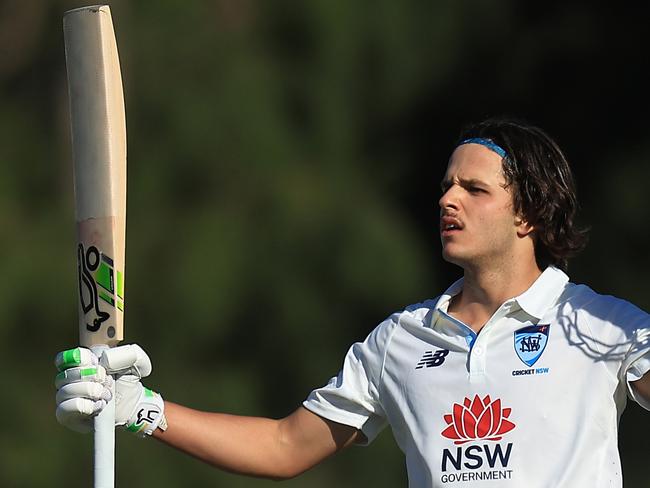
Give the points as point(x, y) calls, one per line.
point(85, 385)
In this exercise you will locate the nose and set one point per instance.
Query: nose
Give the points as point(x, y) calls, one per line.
point(449, 198)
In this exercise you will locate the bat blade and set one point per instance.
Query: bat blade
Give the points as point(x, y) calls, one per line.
point(98, 130)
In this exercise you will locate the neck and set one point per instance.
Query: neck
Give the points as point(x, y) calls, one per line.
point(485, 290)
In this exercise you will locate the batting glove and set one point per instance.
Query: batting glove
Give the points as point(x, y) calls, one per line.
point(85, 385)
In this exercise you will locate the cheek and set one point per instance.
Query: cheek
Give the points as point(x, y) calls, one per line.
point(497, 221)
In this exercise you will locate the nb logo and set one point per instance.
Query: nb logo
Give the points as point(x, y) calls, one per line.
point(432, 359)
point(531, 343)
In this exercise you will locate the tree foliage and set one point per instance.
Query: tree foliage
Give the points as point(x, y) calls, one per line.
point(284, 160)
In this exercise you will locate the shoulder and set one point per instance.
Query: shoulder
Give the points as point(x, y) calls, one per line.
point(421, 309)
point(414, 315)
point(599, 308)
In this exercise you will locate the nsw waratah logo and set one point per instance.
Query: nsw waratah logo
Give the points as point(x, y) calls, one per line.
point(475, 419)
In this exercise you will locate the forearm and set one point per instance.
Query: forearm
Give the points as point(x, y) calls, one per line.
point(254, 446)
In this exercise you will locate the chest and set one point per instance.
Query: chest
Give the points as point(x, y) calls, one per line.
point(534, 371)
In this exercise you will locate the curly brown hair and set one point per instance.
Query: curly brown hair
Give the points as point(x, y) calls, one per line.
point(542, 185)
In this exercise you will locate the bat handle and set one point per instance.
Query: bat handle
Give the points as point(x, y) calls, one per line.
point(104, 440)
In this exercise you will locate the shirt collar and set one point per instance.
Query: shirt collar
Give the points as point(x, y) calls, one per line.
point(534, 301)
point(445, 298)
point(543, 292)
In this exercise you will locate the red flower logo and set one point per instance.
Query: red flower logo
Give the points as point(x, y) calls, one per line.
point(477, 419)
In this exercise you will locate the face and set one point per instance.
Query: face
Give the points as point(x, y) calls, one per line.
point(477, 221)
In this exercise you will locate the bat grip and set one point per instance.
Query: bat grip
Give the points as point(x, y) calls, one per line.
point(104, 439)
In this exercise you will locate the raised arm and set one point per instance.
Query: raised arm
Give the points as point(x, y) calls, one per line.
point(255, 446)
point(276, 449)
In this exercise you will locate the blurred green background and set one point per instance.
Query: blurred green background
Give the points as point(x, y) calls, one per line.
point(284, 160)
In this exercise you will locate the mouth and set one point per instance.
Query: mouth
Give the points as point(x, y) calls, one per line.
point(449, 226)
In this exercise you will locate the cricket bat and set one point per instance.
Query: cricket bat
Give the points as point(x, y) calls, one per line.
point(98, 130)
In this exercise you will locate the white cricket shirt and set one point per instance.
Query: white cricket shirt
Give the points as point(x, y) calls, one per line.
point(533, 400)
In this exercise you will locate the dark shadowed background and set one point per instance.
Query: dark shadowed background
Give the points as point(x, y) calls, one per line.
point(284, 161)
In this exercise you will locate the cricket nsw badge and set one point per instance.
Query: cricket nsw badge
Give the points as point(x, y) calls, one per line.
point(530, 342)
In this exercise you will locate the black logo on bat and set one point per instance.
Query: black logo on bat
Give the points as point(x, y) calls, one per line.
point(87, 262)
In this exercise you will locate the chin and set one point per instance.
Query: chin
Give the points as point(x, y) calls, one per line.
point(452, 257)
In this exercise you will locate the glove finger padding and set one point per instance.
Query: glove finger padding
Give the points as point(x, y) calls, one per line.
point(85, 390)
point(91, 374)
point(77, 413)
point(82, 392)
point(77, 357)
point(126, 360)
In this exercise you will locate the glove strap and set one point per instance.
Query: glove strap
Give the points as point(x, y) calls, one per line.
point(149, 415)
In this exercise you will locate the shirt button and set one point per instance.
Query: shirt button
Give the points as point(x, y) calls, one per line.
point(478, 351)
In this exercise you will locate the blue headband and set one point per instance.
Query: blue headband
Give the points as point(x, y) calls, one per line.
point(487, 143)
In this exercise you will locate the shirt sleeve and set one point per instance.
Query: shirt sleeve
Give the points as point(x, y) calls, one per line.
point(636, 360)
point(352, 397)
point(637, 364)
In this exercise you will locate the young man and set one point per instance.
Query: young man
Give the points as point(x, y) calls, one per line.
point(510, 362)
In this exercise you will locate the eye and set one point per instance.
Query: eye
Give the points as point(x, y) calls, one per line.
point(475, 189)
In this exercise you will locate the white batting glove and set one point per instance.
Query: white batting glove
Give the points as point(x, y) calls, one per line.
point(84, 387)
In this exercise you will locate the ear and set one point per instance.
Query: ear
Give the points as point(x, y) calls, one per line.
point(523, 227)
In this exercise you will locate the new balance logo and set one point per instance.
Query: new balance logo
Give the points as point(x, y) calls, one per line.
point(432, 359)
